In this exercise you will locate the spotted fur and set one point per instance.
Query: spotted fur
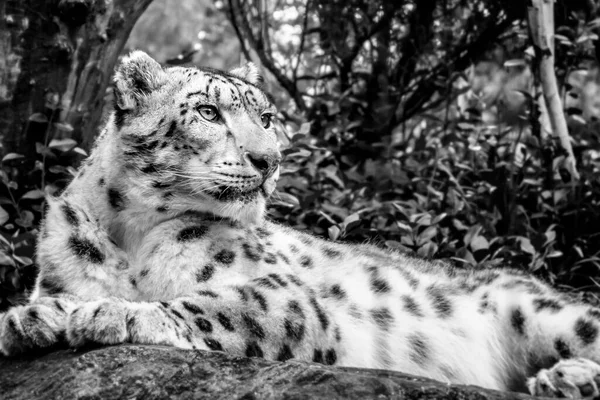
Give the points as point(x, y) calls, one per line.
point(164, 241)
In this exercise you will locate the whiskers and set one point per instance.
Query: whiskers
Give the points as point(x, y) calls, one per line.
point(196, 180)
point(235, 199)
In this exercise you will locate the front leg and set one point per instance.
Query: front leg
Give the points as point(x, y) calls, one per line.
point(272, 317)
point(35, 326)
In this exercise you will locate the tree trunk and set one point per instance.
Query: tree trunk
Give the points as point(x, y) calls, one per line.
point(56, 60)
point(541, 23)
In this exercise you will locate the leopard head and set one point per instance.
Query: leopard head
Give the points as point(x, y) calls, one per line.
point(197, 140)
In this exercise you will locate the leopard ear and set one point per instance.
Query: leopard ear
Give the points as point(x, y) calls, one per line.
point(136, 77)
point(248, 72)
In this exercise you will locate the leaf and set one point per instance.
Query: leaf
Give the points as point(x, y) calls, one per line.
point(327, 217)
point(333, 232)
point(479, 243)
point(3, 216)
point(331, 173)
point(427, 250)
point(407, 240)
point(465, 256)
point(578, 250)
point(25, 220)
point(287, 198)
point(293, 152)
point(304, 129)
point(459, 225)
point(550, 235)
point(5, 259)
point(472, 232)
point(428, 233)
point(424, 220)
point(64, 126)
point(438, 218)
point(12, 156)
point(526, 245)
point(402, 226)
point(594, 23)
point(39, 118)
point(297, 137)
point(5, 241)
point(23, 260)
point(41, 149)
point(51, 189)
point(15, 280)
point(62, 144)
point(57, 169)
point(578, 118)
point(72, 171)
point(515, 63)
point(351, 221)
point(554, 254)
point(33, 194)
point(586, 37)
point(465, 126)
point(79, 150)
point(401, 209)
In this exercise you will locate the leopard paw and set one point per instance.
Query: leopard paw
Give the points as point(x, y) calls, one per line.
point(573, 378)
point(98, 322)
point(32, 327)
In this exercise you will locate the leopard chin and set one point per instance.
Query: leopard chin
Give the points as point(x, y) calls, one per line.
point(246, 213)
point(246, 206)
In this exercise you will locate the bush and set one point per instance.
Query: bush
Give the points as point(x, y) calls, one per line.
point(25, 180)
point(458, 190)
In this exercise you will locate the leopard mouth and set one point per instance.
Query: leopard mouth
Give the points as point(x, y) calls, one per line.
point(229, 194)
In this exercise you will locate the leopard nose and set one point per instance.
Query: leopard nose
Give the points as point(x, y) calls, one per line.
point(266, 164)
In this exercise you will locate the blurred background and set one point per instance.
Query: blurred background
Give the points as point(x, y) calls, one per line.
point(416, 125)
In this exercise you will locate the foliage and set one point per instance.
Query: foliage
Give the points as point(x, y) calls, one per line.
point(430, 181)
point(24, 183)
point(445, 195)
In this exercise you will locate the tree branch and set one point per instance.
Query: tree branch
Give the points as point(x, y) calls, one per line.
point(541, 23)
point(238, 33)
point(246, 32)
point(302, 40)
point(461, 58)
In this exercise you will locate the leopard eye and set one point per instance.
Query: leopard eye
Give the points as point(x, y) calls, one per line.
point(209, 113)
point(266, 120)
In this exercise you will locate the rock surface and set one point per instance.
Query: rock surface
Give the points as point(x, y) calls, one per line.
point(151, 372)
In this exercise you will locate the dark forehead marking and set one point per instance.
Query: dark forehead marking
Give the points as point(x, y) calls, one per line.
point(197, 93)
point(249, 96)
point(226, 75)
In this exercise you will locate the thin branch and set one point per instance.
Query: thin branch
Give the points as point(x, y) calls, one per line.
point(330, 75)
point(245, 32)
point(420, 21)
point(238, 33)
point(302, 40)
point(541, 22)
point(459, 60)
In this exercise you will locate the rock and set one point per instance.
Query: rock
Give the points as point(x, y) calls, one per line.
point(153, 372)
